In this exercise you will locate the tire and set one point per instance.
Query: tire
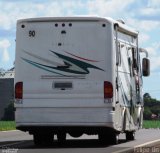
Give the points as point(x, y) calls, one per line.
point(37, 140)
point(103, 138)
point(49, 139)
point(130, 136)
point(110, 138)
point(43, 139)
point(61, 137)
point(114, 138)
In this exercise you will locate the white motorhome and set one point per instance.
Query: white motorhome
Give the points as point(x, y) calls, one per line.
point(78, 75)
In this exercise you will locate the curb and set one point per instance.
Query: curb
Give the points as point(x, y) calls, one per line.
point(9, 131)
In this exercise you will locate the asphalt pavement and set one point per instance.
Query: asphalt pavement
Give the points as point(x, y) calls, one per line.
point(17, 142)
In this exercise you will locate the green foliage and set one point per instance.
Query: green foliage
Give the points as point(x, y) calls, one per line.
point(147, 95)
point(151, 106)
point(9, 113)
point(147, 113)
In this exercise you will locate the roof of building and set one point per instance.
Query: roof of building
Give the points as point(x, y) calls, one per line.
point(7, 74)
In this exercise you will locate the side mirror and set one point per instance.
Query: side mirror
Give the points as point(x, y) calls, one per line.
point(146, 66)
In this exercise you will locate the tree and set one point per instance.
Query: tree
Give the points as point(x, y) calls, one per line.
point(147, 113)
point(2, 71)
point(151, 106)
point(9, 113)
point(147, 95)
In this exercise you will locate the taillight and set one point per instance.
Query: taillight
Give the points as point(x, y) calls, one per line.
point(108, 89)
point(19, 90)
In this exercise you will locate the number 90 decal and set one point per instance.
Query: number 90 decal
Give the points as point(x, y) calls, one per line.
point(32, 33)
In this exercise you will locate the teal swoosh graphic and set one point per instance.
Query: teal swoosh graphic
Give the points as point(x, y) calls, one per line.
point(78, 63)
point(41, 66)
point(71, 65)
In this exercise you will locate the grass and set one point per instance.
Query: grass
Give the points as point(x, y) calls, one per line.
point(10, 125)
point(151, 124)
point(7, 125)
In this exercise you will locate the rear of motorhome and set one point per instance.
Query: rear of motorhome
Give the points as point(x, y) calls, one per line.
point(78, 75)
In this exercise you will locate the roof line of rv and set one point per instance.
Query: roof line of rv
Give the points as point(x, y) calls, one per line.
point(117, 23)
point(125, 29)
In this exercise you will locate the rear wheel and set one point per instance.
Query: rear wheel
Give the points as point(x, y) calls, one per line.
point(61, 137)
point(110, 138)
point(114, 138)
point(103, 138)
point(37, 140)
point(130, 135)
point(43, 139)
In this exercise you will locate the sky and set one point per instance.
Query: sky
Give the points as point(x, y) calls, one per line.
point(142, 15)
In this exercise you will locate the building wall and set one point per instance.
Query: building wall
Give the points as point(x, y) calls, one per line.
point(6, 93)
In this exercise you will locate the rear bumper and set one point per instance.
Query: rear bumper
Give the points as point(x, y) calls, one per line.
point(60, 117)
